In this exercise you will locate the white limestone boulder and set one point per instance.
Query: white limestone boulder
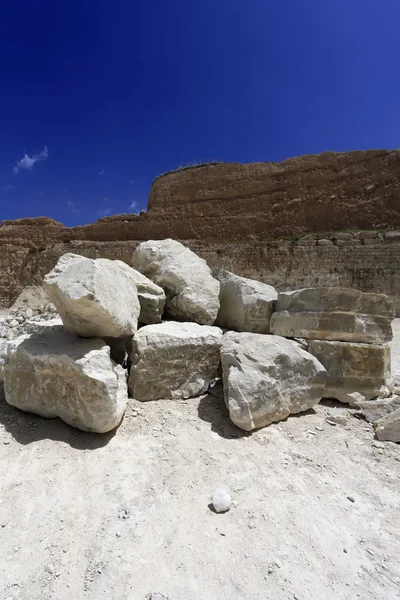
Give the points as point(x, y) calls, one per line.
point(55, 374)
point(334, 314)
point(95, 298)
point(351, 367)
point(267, 377)
point(245, 304)
point(174, 360)
point(191, 290)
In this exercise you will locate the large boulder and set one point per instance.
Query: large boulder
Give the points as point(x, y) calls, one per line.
point(387, 429)
point(267, 377)
point(334, 314)
point(95, 298)
point(191, 290)
point(55, 374)
point(362, 368)
point(174, 360)
point(245, 304)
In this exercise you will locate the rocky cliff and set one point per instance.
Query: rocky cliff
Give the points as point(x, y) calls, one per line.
point(237, 216)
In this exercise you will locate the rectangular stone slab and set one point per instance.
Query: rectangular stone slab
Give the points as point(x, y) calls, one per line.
point(334, 314)
point(351, 367)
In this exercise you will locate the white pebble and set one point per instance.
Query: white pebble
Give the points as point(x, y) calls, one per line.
point(221, 500)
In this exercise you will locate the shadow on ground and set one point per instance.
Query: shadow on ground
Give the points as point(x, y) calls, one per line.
point(27, 428)
point(212, 409)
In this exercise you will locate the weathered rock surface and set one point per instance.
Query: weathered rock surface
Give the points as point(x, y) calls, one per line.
point(95, 298)
point(373, 410)
point(351, 367)
point(151, 298)
point(174, 360)
point(245, 304)
point(55, 374)
point(192, 292)
point(387, 429)
point(3, 357)
point(267, 377)
point(334, 314)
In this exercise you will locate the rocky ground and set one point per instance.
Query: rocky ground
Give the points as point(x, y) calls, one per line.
point(316, 507)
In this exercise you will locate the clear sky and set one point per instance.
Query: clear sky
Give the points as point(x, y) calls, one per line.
point(99, 97)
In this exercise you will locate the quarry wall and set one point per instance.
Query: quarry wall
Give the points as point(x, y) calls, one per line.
point(331, 219)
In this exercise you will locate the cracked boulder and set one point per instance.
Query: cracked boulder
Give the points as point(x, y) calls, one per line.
point(94, 297)
point(174, 360)
point(267, 377)
point(191, 290)
point(55, 374)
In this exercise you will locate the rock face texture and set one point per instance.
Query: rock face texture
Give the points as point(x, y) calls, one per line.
point(54, 374)
point(94, 297)
point(373, 410)
point(351, 367)
point(174, 360)
point(245, 304)
point(234, 216)
point(151, 299)
point(192, 292)
point(334, 314)
point(387, 429)
point(267, 377)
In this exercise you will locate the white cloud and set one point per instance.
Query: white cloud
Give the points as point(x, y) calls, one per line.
point(102, 172)
point(105, 199)
point(131, 181)
point(133, 205)
point(27, 162)
point(72, 206)
point(6, 188)
point(104, 212)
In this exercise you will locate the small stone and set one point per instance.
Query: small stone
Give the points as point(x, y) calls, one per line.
point(221, 500)
point(50, 569)
point(338, 417)
point(14, 323)
point(29, 313)
point(345, 550)
point(350, 498)
point(19, 318)
point(156, 596)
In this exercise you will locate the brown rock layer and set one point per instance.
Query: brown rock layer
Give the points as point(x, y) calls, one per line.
point(234, 215)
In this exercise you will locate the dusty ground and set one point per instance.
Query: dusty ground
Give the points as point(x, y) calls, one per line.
point(115, 517)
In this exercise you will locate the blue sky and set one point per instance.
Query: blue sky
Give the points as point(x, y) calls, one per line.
point(97, 98)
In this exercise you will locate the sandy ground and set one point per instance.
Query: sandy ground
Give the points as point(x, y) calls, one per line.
point(84, 516)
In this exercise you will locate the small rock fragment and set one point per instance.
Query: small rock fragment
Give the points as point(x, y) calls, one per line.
point(350, 498)
point(221, 500)
point(338, 417)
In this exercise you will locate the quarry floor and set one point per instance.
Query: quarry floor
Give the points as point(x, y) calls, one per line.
point(315, 515)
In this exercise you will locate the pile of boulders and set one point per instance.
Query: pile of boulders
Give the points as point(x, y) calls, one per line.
point(169, 327)
point(32, 306)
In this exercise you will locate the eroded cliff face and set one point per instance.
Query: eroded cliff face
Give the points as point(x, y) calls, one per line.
point(234, 216)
